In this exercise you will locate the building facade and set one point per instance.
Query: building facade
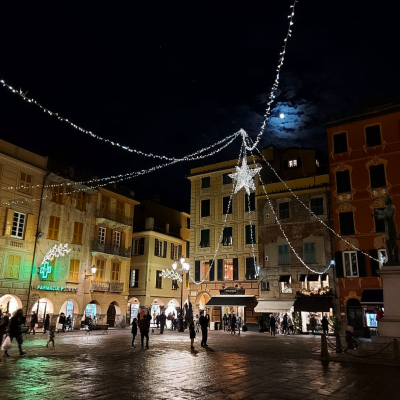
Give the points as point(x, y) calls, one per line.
point(364, 165)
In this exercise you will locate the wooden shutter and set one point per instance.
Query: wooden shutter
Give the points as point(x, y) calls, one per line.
point(197, 270)
point(29, 232)
point(179, 252)
point(155, 247)
point(141, 246)
point(339, 264)
point(362, 272)
point(123, 239)
point(212, 269)
point(9, 222)
point(12, 269)
point(235, 269)
point(220, 269)
point(374, 264)
point(165, 250)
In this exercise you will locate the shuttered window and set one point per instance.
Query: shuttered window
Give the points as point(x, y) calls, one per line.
point(105, 203)
point(120, 210)
point(310, 256)
point(100, 271)
point(81, 200)
point(115, 271)
point(12, 267)
point(57, 194)
point(73, 275)
point(25, 183)
point(54, 227)
point(283, 254)
point(78, 233)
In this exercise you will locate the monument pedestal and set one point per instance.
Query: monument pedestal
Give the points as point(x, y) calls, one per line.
point(389, 325)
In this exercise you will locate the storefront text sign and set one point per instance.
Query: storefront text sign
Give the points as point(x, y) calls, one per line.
point(232, 290)
point(56, 288)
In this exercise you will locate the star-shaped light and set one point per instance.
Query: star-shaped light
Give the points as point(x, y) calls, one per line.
point(244, 177)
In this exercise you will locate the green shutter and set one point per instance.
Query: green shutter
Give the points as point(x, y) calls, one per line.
point(220, 268)
point(235, 269)
point(197, 270)
point(339, 264)
point(362, 272)
point(211, 276)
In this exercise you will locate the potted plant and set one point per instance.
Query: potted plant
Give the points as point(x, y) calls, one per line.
point(297, 323)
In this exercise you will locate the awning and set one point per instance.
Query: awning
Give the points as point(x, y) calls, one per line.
point(285, 278)
point(313, 303)
point(313, 278)
point(239, 300)
point(265, 306)
point(372, 297)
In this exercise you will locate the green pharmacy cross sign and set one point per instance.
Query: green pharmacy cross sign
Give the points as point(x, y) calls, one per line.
point(45, 270)
point(58, 250)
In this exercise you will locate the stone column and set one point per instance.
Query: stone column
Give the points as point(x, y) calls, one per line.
point(100, 319)
point(77, 321)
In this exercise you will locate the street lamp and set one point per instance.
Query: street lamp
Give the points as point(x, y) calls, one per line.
point(176, 274)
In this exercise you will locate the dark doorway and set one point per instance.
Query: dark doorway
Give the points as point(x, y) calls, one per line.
point(111, 312)
point(354, 315)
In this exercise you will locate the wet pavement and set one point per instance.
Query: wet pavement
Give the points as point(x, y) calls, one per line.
point(249, 366)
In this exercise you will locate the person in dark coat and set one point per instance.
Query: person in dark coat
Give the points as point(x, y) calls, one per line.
point(14, 330)
point(350, 339)
point(34, 321)
point(192, 334)
point(204, 327)
point(61, 320)
point(272, 324)
point(144, 326)
point(233, 324)
point(163, 320)
point(225, 319)
point(325, 325)
point(46, 324)
point(134, 331)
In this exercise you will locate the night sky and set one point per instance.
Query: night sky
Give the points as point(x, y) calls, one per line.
point(171, 77)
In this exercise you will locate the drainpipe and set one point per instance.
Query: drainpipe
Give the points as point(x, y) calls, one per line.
point(36, 238)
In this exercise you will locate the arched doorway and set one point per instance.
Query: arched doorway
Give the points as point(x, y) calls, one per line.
point(42, 307)
point(10, 303)
point(201, 300)
point(354, 315)
point(156, 306)
point(112, 312)
point(69, 308)
point(133, 309)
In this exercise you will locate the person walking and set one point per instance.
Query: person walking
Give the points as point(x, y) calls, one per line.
point(204, 327)
point(272, 324)
point(32, 324)
point(134, 331)
point(313, 324)
point(239, 323)
point(325, 325)
point(233, 324)
point(61, 323)
point(192, 334)
point(289, 325)
point(157, 320)
point(14, 330)
point(285, 324)
point(225, 319)
point(52, 332)
point(46, 324)
point(144, 326)
point(163, 320)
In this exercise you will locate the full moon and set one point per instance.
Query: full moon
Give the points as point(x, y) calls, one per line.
point(281, 115)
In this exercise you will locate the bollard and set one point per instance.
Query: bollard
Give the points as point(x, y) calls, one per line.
point(324, 347)
point(338, 344)
point(396, 353)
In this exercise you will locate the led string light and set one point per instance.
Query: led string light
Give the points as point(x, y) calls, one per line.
point(190, 157)
point(277, 79)
point(251, 236)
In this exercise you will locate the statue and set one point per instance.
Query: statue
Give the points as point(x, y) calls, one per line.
point(392, 235)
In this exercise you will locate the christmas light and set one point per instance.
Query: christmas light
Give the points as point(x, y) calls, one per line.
point(244, 177)
point(59, 250)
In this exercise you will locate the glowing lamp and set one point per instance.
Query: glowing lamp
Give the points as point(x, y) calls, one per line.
point(93, 269)
point(174, 265)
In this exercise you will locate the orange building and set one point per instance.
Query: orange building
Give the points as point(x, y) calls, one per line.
point(364, 152)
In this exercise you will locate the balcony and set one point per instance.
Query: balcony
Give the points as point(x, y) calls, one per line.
point(113, 219)
point(105, 286)
point(116, 287)
point(110, 249)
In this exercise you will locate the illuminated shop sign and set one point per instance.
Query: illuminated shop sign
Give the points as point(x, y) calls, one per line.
point(56, 288)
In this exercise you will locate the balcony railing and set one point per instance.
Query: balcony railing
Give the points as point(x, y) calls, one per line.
point(113, 216)
point(105, 286)
point(116, 287)
point(110, 249)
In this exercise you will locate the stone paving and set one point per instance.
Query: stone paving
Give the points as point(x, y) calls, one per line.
point(249, 366)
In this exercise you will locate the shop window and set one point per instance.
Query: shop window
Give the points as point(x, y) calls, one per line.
point(379, 223)
point(250, 234)
point(78, 233)
point(18, 226)
point(138, 247)
point(205, 182)
point(227, 239)
point(310, 256)
point(134, 278)
point(226, 179)
point(54, 227)
point(206, 208)
point(350, 263)
point(250, 200)
point(340, 143)
point(73, 275)
point(205, 238)
point(105, 203)
point(227, 205)
point(102, 235)
point(25, 183)
point(317, 206)
point(373, 135)
point(12, 267)
point(377, 176)
point(346, 222)
point(265, 286)
point(285, 282)
point(250, 268)
point(57, 193)
point(81, 200)
point(100, 270)
point(158, 280)
point(115, 271)
point(284, 210)
point(283, 254)
point(343, 184)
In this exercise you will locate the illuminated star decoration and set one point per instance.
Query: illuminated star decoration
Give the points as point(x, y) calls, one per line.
point(244, 177)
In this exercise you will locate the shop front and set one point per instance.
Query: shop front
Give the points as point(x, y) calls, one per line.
point(371, 302)
point(10, 303)
point(132, 310)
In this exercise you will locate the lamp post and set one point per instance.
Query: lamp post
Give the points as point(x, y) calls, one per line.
point(177, 275)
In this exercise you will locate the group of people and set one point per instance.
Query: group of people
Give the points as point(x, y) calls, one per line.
point(281, 324)
point(231, 322)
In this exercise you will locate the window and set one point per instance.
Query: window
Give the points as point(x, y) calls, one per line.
point(73, 275)
point(285, 283)
point(18, 225)
point(227, 237)
point(309, 253)
point(343, 181)
point(205, 208)
point(187, 223)
point(54, 227)
point(78, 233)
point(105, 203)
point(346, 222)
point(115, 271)
point(101, 268)
point(120, 208)
point(250, 234)
point(204, 268)
point(350, 263)
point(57, 194)
point(175, 285)
point(205, 182)
point(205, 238)
point(292, 163)
point(340, 143)
point(283, 254)
point(174, 252)
point(138, 247)
point(158, 279)
point(134, 281)
point(379, 223)
point(160, 248)
point(228, 270)
point(317, 163)
point(251, 201)
point(226, 179)
point(25, 183)
point(284, 210)
point(81, 200)
point(317, 206)
point(225, 205)
point(265, 286)
point(373, 135)
point(12, 267)
point(117, 239)
point(377, 176)
point(102, 235)
point(250, 268)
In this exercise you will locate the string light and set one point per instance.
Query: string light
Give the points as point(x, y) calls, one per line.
point(251, 233)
